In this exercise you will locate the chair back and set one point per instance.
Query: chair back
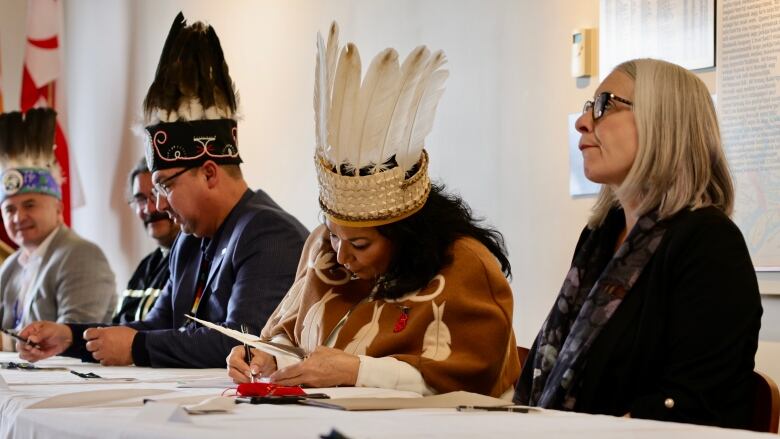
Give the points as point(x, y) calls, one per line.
point(766, 408)
point(523, 354)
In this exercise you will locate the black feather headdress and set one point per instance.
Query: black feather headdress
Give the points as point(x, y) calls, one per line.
point(190, 108)
point(27, 153)
point(192, 81)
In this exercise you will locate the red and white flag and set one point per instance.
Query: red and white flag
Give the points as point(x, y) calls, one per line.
point(43, 86)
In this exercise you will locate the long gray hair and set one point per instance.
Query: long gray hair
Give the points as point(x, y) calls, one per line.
point(680, 161)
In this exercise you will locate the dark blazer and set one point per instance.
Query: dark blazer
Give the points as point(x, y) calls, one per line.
point(144, 287)
point(685, 335)
point(254, 256)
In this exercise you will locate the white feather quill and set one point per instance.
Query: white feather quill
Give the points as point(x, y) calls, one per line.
point(375, 107)
point(321, 98)
point(345, 93)
point(390, 113)
point(422, 111)
point(332, 54)
point(411, 72)
point(325, 72)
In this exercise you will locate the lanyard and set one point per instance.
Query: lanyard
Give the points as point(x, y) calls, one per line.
point(17, 314)
point(200, 287)
point(26, 294)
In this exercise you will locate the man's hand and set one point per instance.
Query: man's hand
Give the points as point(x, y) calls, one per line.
point(325, 367)
point(262, 365)
point(52, 338)
point(112, 345)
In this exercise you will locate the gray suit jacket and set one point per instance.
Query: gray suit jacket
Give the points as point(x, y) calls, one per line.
point(74, 284)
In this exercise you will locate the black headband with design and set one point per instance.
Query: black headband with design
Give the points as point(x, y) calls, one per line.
point(190, 144)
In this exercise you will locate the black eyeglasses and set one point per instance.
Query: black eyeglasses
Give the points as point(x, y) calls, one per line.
point(140, 200)
point(601, 104)
point(163, 188)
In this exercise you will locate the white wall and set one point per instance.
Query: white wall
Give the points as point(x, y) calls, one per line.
point(12, 21)
point(500, 138)
point(500, 135)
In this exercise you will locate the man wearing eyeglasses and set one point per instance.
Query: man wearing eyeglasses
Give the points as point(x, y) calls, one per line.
point(152, 272)
point(238, 251)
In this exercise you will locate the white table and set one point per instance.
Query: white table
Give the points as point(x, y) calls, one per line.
point(120, 419)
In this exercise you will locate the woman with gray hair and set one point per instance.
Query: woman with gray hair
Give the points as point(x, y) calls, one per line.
point(658, 316)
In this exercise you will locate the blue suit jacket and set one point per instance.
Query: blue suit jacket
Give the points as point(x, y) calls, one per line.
point(254, 255)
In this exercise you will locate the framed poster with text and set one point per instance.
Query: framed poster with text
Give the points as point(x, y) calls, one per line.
point(748, 81)
point(678, 31)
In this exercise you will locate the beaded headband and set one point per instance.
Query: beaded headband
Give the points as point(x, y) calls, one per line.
point(27, 160)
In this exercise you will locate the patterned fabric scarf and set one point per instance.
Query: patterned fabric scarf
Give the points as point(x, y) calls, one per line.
point(586, 302)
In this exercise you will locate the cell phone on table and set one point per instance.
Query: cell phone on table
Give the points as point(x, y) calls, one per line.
point(11, 365)
point(19, 337)
point(274, 399)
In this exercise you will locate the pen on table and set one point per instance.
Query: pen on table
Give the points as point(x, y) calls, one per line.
point(85, 374)
point(480, 408)
point(248, 354)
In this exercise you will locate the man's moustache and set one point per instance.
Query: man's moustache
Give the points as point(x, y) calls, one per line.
point(157, 216)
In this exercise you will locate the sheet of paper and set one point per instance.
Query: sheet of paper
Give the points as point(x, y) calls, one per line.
point(94, 398)
point(445, 400)
point(365, 392)
point(36, 378)
point(181, 398)
point(206, 384)
point(254, 341)
point(216, 404)
point(157, 413)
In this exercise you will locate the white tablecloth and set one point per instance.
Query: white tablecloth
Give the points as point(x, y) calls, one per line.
point(122, 417)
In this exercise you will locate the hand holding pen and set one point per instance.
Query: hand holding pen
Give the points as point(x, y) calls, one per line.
point(43, 340)
point(248, 354)
point(245, 363)
point(18, 337)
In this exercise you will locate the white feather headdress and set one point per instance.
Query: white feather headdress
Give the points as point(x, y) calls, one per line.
point(371, 164)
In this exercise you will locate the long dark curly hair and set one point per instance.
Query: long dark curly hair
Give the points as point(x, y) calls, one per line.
point(423, 240)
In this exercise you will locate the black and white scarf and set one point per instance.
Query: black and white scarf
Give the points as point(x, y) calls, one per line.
point(585, 303)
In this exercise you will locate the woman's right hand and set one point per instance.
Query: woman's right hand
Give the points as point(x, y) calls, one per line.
point(262, 365)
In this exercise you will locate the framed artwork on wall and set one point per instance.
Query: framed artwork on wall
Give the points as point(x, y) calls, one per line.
point(678, 31)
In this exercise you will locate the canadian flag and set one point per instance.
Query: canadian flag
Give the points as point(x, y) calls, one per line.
point(42, 87)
